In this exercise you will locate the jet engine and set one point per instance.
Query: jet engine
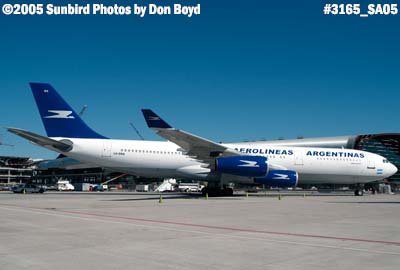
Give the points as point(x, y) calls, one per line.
point(279, 178)
point(251, 166)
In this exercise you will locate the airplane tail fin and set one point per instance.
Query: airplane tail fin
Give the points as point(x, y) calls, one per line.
point(58, 118)
point(153, 120)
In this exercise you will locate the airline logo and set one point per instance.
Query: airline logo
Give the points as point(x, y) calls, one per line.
point(248, 163)
point(279, 176)
point(335, 154)
point(60, 114)
point(153, 118)
point(263, 151)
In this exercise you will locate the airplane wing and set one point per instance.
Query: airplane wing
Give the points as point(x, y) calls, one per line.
point(195, 146)
point(46, 142)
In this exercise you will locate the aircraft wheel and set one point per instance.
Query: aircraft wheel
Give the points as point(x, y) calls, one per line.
point(358, 192)
point(217, 192)
point(228, 191)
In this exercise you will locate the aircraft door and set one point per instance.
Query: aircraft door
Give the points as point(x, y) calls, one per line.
point(371, 164)
point(298, 159)
point(106, 150)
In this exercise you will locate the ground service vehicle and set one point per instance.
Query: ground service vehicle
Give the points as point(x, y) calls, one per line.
point(27, 188)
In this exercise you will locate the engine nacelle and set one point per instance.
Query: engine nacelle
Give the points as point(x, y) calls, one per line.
point(279, 178)
point(252, 166)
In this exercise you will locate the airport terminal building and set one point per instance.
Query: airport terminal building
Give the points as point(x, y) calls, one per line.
point(15, 169)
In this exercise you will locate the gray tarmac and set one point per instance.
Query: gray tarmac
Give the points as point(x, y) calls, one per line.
point(135, 231)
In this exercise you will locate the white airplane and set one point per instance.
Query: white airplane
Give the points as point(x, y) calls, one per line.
point(188, 156)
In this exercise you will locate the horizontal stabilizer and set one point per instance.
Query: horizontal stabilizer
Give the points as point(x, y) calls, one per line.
point(41, 140)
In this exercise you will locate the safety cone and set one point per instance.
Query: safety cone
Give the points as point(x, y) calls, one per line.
point(247, 194)
point(160, 200)
point(206, 196)
point(279, 197)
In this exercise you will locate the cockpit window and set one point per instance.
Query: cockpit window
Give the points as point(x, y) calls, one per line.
point(385, 161)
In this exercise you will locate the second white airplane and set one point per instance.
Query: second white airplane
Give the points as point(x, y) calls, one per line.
point(191, 157)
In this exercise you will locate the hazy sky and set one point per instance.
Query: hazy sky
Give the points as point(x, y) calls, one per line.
point(242, 70)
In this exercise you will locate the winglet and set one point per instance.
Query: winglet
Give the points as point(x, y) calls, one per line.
point(153, 120)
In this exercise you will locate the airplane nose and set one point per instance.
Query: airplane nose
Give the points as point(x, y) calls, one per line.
point(392, 169)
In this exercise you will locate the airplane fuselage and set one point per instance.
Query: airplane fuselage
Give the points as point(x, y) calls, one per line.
point(166, 159)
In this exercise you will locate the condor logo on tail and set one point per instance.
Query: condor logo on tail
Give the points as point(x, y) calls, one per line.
point(60, 114)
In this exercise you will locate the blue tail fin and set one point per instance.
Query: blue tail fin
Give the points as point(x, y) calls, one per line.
point(59, 119)
point(153, 120)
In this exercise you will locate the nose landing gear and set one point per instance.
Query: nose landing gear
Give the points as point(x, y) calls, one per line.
point(359, 190)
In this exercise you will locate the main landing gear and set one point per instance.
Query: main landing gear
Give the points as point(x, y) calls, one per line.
point(217, 191)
